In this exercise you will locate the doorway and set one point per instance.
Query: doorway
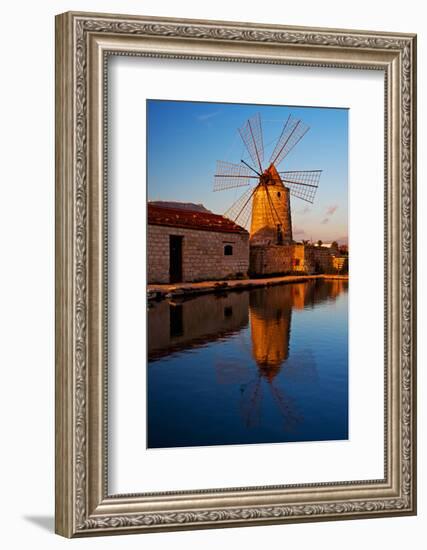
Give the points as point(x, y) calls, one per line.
point(175, 258)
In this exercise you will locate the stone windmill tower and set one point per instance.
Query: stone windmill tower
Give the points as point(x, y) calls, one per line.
point(265, 208)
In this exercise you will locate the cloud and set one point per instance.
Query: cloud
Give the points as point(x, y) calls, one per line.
point(305, 210)
point(207, 116)
point(298, 231)
point(325, 221)
point(331, 209)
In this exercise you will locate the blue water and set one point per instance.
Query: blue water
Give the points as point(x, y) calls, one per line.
point(260, 366)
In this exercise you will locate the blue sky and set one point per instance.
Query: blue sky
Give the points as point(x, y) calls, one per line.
point(185, 139)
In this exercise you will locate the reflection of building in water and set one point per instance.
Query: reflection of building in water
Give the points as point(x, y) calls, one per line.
point(271, 313)
point(270, 318)
point(336, 287)
point(299, 293)
point(270, 321)
point(182, 324)
point(177, 325)
point(316, 292)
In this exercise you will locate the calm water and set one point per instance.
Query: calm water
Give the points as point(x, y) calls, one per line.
point(259, 366)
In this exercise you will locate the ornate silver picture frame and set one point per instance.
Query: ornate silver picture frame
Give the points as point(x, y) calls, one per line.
point(84, 42)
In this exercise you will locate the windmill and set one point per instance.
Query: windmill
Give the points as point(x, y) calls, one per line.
point(265, 208)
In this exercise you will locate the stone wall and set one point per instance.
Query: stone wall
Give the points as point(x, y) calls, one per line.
point(203, 256)
point(294, 258)
point(271, 260)
point(300, 262)
point(320, 258)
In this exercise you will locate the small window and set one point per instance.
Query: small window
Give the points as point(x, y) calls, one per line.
point(228, 250)
point(278, 194)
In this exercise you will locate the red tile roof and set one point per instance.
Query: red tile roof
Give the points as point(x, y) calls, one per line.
point(190, 219)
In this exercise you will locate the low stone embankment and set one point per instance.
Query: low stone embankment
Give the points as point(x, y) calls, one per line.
point(161, 291)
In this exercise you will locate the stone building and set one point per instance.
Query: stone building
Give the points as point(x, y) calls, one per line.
point(339, 263)
point(186, 245)
point(271, 259)
point(301, 258)
point(323, 257)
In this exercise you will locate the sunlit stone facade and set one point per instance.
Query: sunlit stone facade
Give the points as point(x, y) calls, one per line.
point(271, 213)
point(212, 247)
point(294, 258)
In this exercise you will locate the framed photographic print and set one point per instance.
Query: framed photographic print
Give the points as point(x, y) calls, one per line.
point(248, 293)
point(235, 274)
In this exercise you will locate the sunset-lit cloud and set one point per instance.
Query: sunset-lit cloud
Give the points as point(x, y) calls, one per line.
point(325, 221)
point(331, 209)
point(298, 231)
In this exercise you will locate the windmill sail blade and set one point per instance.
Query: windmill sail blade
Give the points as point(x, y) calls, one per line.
point(229, 175)
point(302, 184)
point(293, 131)
point(251, 134)
point(240, 211)
point(288, 409)
point(250, 405)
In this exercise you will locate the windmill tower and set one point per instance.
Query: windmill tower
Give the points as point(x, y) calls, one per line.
point(265, 209)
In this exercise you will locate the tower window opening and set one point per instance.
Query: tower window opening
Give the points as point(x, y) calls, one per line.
point(228, 250)
point(278, 194)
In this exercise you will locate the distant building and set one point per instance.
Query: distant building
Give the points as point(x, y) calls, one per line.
point(182, 205)
point(295, 258)
point(186, 245)
point(340, 263)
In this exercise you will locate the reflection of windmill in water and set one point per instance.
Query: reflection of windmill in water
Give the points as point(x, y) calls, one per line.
point(265, 209)
point(278, 367)
point(270, 321)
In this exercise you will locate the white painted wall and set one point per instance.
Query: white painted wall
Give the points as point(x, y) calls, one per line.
point(27, 267)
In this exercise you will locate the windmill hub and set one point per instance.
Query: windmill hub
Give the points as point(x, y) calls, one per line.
point(268, 177)
point(265, 179)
